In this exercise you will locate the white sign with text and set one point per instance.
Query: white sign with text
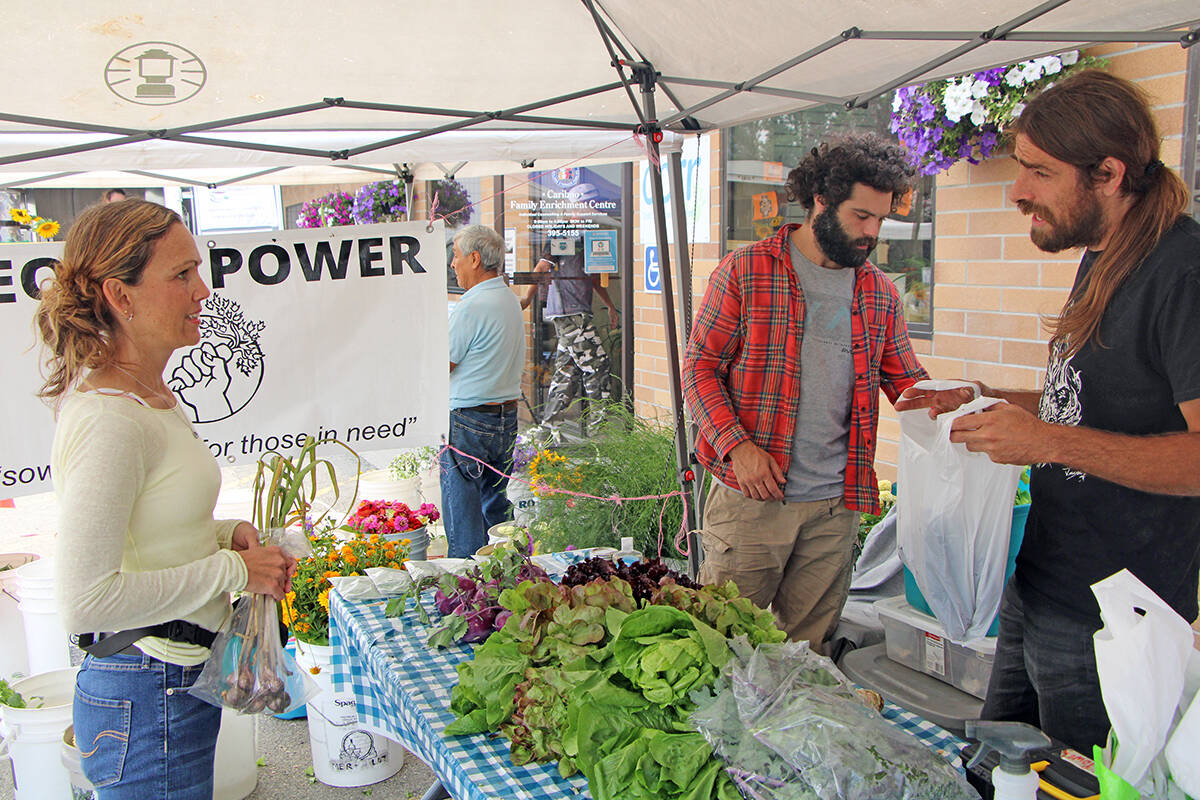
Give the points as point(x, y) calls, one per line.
point(338, 333)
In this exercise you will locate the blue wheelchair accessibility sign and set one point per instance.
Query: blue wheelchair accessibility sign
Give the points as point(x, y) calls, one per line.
point(653, 271)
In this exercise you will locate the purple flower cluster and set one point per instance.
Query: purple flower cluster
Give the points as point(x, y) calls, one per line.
point(922, 118)
point(453, 202)
point(382, 201)
point(326, 211)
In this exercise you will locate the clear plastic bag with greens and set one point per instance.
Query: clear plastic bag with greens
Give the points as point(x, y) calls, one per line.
point(248, 669)
point(789, 726)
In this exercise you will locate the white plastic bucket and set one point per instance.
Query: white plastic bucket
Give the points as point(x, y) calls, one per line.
point(431, 485)
point(235, 773)
point(524, 503)
point(46, 642)
point(81, 787)
point(418, 547)
point(344, 751)
point(235, 502)
point(14, 662)
point(380, 486)
point(33, 736)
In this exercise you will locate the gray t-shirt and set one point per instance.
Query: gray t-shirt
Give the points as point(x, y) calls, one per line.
point(819, 445)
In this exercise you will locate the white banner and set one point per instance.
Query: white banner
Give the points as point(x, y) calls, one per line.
point(338, 333)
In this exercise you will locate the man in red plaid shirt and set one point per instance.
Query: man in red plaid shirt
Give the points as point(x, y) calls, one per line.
point(794, 339)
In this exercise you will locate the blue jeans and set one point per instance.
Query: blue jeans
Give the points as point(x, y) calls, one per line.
point(1045, 672)
point(473, 496)
point(140, 734)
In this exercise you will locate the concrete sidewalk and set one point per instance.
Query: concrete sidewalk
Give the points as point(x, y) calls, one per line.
point(283, 747)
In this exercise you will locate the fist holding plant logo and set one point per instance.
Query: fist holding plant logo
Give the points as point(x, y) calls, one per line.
point(218, 377)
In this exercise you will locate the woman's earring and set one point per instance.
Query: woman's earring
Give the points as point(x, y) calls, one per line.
point(129, 317)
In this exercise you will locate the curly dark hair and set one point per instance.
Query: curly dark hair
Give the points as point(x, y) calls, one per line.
point(831, 170)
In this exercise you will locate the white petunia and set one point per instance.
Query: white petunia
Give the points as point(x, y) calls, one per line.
point(1070, 58)
point(958, 100)
point(1052, 65)
point(980, 89)
point(1017, 109)
point(1014, 78)
point(1032, 70)
point(896, 104)
point(978, 114)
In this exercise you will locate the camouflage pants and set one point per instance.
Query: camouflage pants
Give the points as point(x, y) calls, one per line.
point(579, 352)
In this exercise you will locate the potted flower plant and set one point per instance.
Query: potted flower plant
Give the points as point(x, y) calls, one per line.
point(305, 609)
point(392, 521)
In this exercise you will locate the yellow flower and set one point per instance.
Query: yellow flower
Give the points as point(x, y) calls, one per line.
point(373, 538)
point(885, 486)
point(323, 599)
point(406, 542)
point(20, 216)
point(48, 229)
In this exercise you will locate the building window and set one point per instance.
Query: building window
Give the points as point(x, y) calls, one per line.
point(759, 156)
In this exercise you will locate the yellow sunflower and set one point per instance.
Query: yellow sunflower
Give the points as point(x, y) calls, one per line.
point(20, 216)
point(48, 229)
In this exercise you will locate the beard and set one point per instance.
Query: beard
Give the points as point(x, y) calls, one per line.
point(836, 244)
point(1080, 225)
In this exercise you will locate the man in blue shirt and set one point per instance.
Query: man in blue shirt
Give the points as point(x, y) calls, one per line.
point(487, 357)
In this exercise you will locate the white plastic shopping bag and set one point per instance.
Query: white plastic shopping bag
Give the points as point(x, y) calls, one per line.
point(955, 517)
point(1183, 745)
point(1142, 655)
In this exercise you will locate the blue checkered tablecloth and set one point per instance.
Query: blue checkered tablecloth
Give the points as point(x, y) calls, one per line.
point(402, 688)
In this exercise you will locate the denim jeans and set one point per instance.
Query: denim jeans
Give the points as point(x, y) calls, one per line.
point(140, 734)
point(473, 496)
point(1044, 672)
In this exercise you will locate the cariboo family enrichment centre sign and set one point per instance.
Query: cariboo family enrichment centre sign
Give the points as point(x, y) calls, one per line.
point(338, 333)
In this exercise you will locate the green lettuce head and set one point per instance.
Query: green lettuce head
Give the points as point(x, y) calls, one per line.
point(665, 653)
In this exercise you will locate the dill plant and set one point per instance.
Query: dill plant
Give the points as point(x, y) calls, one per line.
point(627, 457)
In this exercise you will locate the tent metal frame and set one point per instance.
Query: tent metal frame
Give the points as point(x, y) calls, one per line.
point(638, 79)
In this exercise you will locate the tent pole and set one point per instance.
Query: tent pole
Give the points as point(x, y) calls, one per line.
point(683, 281)
point(682, 455)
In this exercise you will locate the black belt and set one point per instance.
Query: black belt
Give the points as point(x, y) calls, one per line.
point(492, 408)
point(102, 645)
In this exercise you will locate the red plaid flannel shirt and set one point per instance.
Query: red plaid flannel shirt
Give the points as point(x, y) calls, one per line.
point(741, 378)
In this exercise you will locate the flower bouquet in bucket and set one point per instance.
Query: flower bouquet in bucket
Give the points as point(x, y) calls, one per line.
point(248, 669)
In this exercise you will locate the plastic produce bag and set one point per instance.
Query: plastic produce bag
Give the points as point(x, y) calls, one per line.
point(1142, 660)
point(248, 669)
point(955, 517)
point(789, 726)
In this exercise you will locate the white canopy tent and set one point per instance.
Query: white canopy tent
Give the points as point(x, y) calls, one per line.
point(286, 92)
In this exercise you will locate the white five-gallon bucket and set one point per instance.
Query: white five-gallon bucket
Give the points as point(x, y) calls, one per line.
point(46, 642)
point(14, 663)
point(32, 736)
point(235, 773)
point(344, 751)
point(81, 787)
point(380, 486)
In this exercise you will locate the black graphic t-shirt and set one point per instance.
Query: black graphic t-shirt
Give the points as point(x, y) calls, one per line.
point(1082, 529)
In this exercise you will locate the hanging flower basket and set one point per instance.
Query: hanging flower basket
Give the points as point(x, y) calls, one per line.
point(943, 122)
point(335, 208)
point(382, 201)
point(453, 202)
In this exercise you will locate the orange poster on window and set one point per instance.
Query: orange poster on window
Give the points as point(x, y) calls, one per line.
point(766, 205)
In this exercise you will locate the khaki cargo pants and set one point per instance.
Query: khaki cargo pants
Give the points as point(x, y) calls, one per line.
point(791, 557)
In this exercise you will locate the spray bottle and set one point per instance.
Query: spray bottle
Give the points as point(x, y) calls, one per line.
point(627, 555)
point(1013, 778)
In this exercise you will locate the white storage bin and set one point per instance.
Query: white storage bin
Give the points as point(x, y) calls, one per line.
point(919, 641)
